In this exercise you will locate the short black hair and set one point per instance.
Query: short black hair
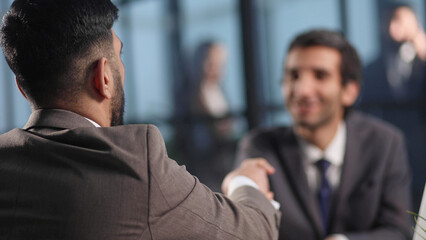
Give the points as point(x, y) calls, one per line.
point(51, 44)
point(350, 66)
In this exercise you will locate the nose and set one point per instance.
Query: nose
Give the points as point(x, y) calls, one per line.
point(304, 86)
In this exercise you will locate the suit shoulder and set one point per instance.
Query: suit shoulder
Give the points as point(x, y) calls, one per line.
point(268, 132)
point(13, 137)
point(374, 126)
point(147, 128)
point(266, 136)
point(136, 133)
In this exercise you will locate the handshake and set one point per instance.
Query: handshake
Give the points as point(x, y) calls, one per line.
point(257, 169)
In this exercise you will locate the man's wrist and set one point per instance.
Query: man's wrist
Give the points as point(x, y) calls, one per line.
point(240, 181)
point(243, 181)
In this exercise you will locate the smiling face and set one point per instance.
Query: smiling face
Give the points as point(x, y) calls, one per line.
point(312, 87)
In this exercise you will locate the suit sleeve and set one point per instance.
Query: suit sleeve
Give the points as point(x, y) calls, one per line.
point(393, 221)
point(183, 208)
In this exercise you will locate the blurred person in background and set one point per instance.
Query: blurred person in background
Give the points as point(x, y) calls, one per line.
point(395, 83)
point(211, 134)
point(398, 75)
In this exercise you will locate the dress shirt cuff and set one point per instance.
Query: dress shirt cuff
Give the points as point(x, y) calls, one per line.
point(242, 181)
point(339, 237)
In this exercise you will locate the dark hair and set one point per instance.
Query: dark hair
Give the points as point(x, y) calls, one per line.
point(200, 56)
point(350, 67)
point(51, 45)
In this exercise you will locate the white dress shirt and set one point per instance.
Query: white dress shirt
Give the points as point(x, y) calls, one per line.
point(93, 122)
point(334, 153)
point(213, 99)
point(241, 181)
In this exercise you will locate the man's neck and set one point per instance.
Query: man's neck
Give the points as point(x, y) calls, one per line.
point(95, 112)
point(320, 136)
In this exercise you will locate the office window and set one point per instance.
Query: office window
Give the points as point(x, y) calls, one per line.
point(214, 82)
point(363, 29)
point(217, 21)
point(14, 109)
point(143, 28)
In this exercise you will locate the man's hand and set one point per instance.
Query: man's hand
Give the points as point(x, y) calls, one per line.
point(257, 169)
point(330, 238)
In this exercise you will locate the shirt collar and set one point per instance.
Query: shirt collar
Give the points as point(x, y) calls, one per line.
point(334, 153)
point(93, 122)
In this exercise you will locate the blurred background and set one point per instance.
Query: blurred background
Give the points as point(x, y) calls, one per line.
point(206, 72)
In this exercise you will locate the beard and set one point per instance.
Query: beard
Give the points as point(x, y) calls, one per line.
point(313, 125)
point(117, 102)
point(323, 117)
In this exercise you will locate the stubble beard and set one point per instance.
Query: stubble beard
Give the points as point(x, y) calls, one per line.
point(314, 125)
point(118, 102)
point(324, 118)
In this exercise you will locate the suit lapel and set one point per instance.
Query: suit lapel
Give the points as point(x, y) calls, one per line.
point(352, 169)
point(290, 156)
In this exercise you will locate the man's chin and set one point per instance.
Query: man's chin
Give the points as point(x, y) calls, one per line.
point(306, 123)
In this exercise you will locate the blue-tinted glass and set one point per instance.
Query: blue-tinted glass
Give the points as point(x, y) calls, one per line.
point(215, 87)
point(5, 75)
point(200, 7)
point(14, 109)
point(363, 29)
point(21, 107)
point(142, 28)
point(3, 72)
point(217, 21)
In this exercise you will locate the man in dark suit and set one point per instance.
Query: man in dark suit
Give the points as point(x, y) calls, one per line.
point(339, 174)
point(73, 173)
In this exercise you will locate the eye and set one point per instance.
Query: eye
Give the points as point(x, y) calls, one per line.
point(292, 75)
point(321, 74)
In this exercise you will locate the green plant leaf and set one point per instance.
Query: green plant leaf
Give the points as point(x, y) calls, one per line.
point(416, 217)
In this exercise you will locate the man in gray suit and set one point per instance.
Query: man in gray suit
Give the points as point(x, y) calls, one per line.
point(73, 173)
point(339, 174)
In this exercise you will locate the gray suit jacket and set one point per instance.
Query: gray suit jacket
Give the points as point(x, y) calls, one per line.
point(374, 191)
point(63, 178)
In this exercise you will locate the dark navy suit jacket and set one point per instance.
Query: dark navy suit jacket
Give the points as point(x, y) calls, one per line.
point(374, 192)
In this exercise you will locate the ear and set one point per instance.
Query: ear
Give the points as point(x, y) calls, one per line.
point(350, 93)
point(102, 80)
point(20, 89)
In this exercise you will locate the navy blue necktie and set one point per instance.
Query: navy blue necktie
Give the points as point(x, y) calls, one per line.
point(324, 192)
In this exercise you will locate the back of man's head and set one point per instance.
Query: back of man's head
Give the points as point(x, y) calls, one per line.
point(51, 44)
point(350, 66)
